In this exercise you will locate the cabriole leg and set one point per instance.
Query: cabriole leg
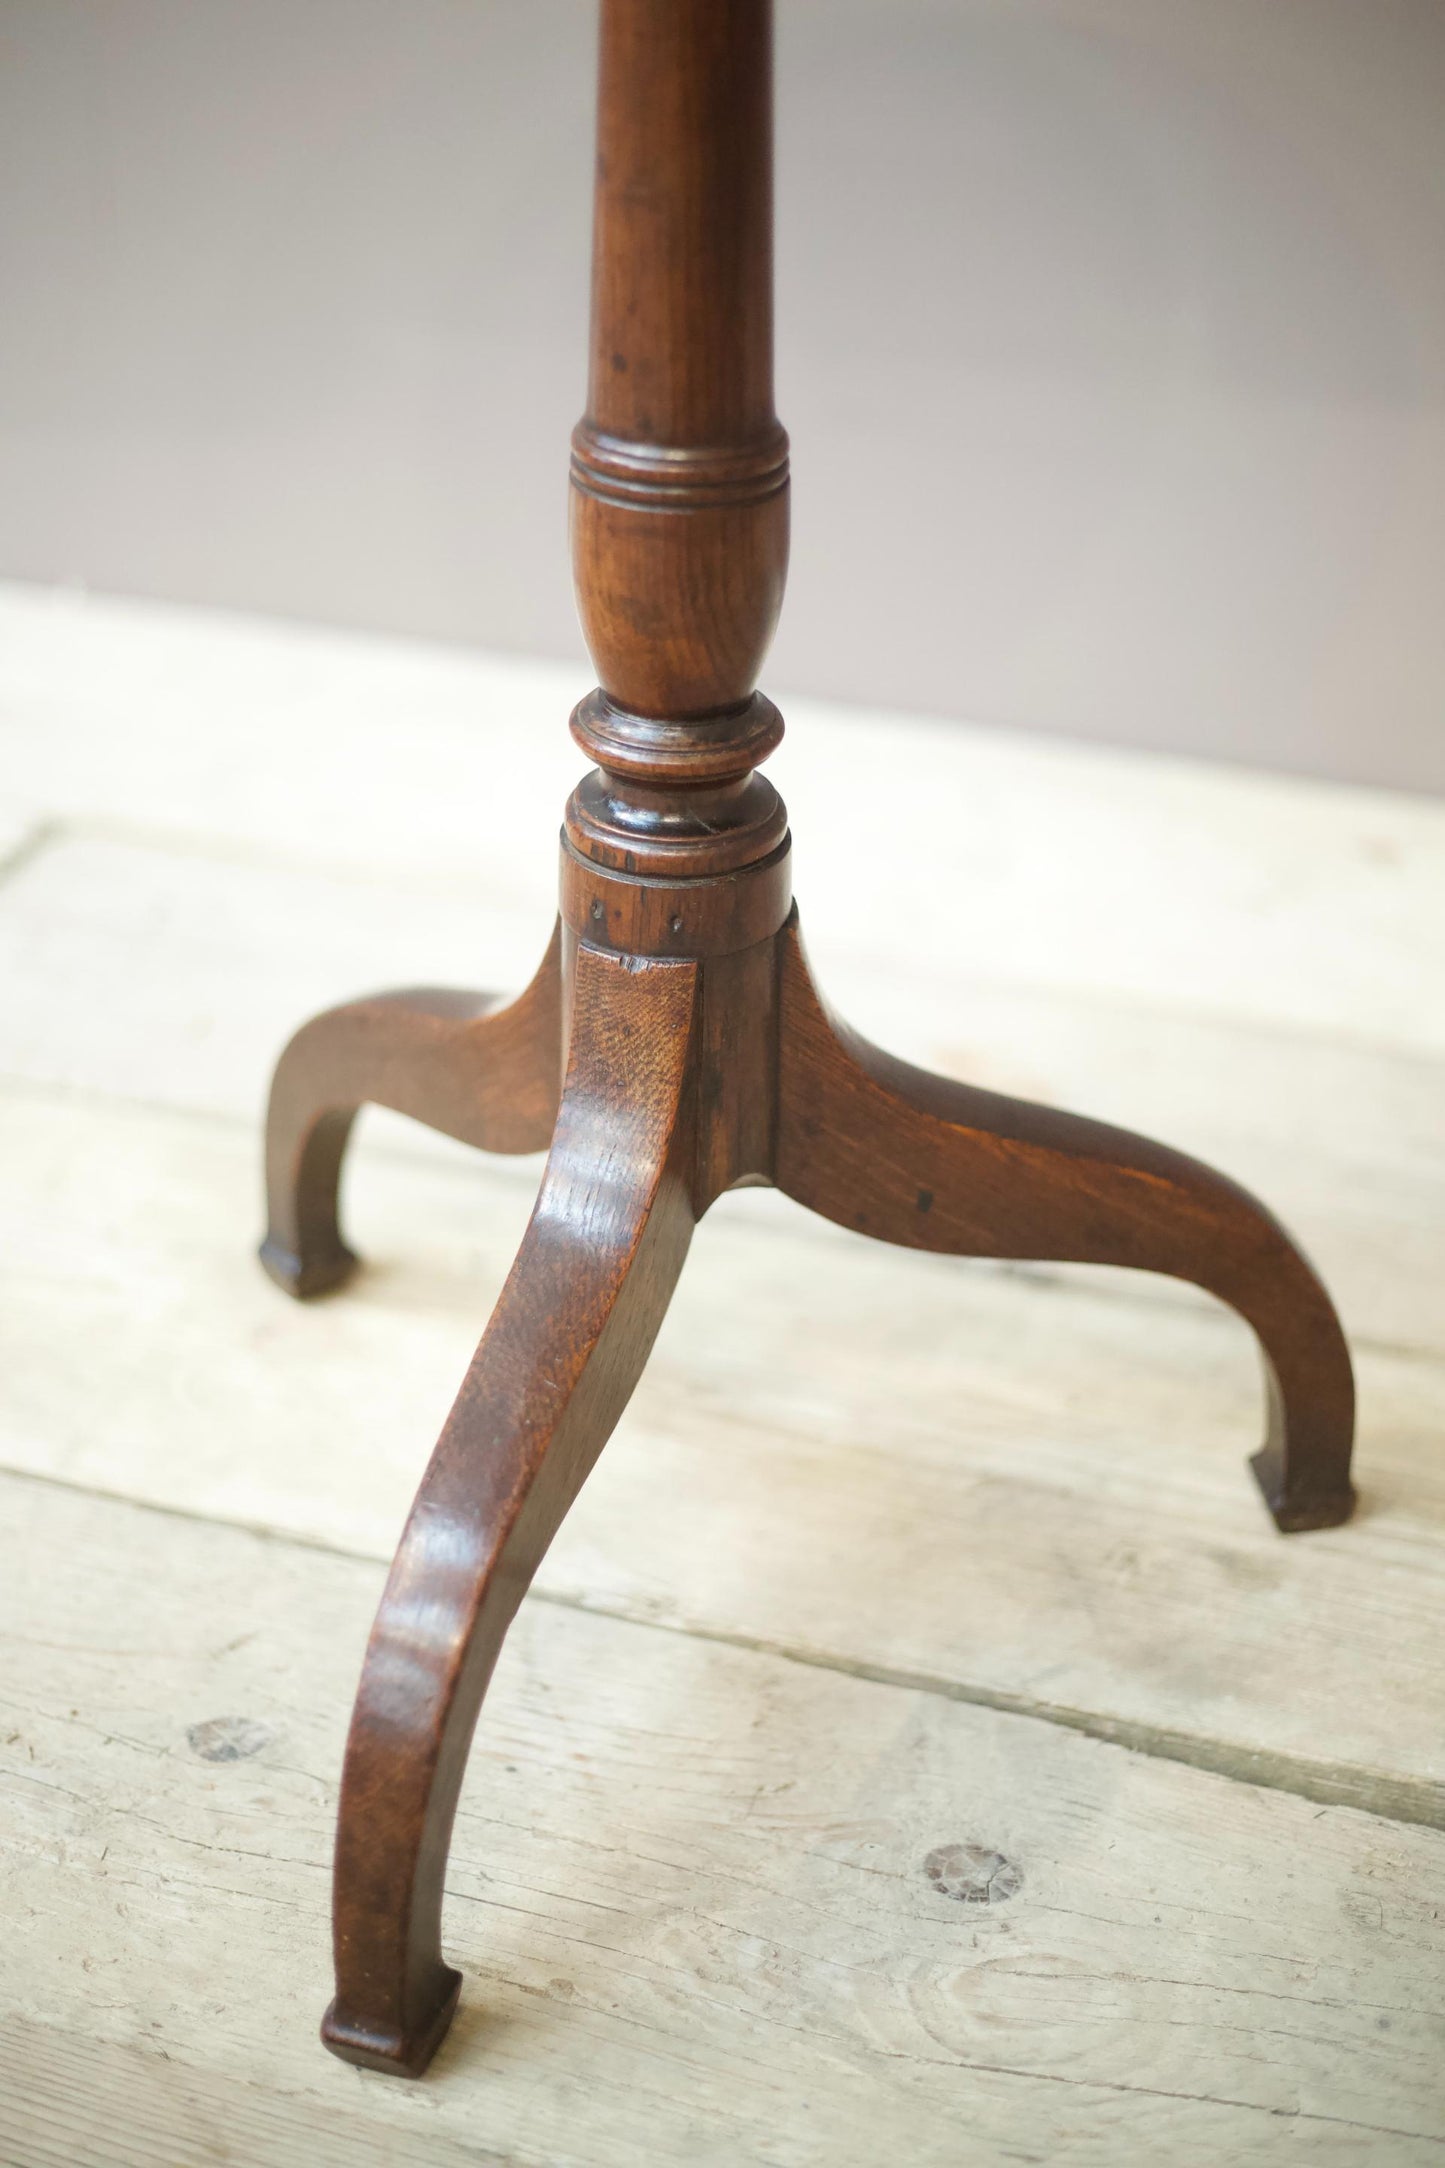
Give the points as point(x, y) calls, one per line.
point(555, 1368)
point(459, 1062)
point(876, 1144)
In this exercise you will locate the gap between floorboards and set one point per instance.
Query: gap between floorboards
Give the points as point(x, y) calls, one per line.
point(1326, 1784)
point(52, 830)
point(1165, 1292)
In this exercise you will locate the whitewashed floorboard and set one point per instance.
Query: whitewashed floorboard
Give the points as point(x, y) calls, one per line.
point(1014, 1489)
point(71, 2101)
point(689, 1891)
point(23, 829)
point(881, 1536)
point(1017, 859)
point(174, 977)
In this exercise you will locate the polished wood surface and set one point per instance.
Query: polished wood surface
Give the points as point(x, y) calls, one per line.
point(574, 1325)
point(463, 1063)
point(698, 1054)
point(680, 467)
point(877, 1145)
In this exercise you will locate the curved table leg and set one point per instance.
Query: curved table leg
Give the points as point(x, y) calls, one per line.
point(876, 1144)
point(558, 1362)
point(459, 1062)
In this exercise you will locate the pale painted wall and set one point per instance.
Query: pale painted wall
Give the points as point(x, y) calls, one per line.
point(1112, 341)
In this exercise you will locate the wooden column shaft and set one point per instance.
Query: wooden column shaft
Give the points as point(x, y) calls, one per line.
point(682, 301)
point(680, 466)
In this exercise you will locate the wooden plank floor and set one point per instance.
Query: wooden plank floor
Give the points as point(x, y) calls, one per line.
point(894, 1563)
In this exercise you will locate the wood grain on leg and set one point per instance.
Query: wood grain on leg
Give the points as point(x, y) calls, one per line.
point(876, 1144)
point(558, 1362)
point(699, 1055)
point(460, 1062)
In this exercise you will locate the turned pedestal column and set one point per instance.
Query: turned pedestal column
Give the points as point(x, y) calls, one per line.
point(672, 1044)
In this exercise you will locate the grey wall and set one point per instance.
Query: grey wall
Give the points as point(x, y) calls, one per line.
point(1112, 341)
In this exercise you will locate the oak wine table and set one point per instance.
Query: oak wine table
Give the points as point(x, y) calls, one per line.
point(672, 1044)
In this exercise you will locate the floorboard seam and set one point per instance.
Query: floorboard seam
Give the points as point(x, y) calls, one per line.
point(1415, 1802)
point(50, 1091)
point(29, 845)
point(412, 878)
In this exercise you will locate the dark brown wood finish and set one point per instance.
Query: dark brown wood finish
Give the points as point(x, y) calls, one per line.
point(675, 1012)
point(568, 1338)
point(894, 1152)
point(679, 611)
point(459, 1062)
